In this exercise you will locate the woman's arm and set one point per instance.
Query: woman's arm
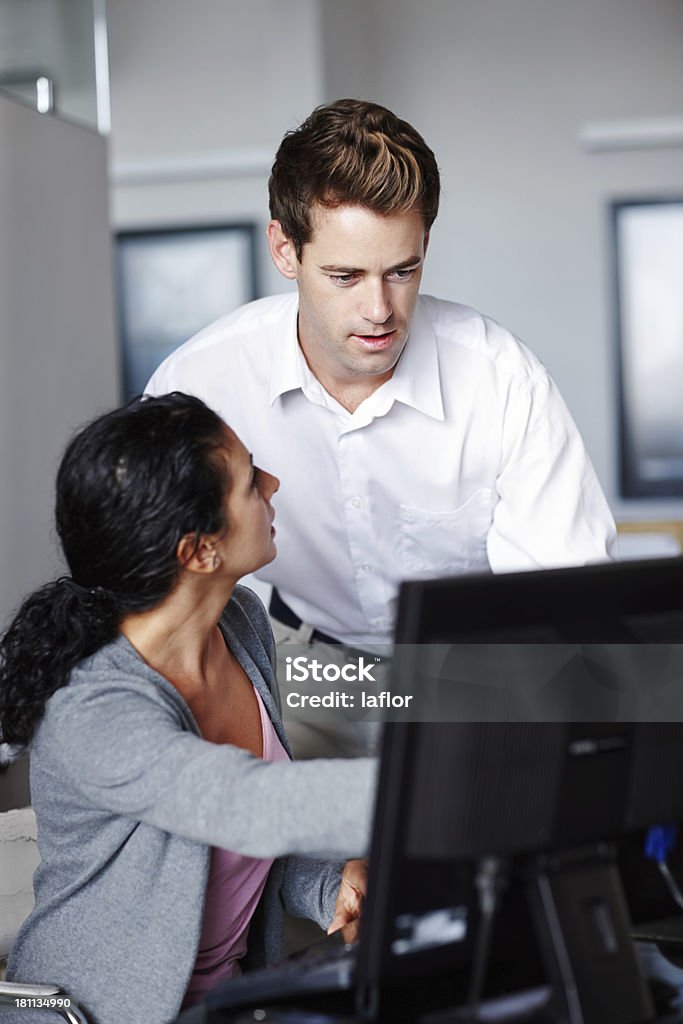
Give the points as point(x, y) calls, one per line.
point(124, 749)
point(331, 893)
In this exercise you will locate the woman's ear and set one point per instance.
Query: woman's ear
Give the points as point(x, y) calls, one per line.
point(200, 557)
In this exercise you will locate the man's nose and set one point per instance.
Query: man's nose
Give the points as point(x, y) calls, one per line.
point(377, 305)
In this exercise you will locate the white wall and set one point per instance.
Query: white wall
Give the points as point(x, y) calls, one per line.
point(500, 89)
point(201, 94)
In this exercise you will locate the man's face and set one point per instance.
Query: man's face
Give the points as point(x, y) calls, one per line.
point(358, 282)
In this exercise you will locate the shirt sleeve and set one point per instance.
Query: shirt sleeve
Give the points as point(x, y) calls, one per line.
point(551, 510)
point(150, 768)
point(161, 382)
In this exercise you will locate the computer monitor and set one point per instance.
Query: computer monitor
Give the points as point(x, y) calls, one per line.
point(549, 801)
point(594, 643)
point(605, 603)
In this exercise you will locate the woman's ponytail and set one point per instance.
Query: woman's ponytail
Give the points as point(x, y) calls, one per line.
point(54, 629)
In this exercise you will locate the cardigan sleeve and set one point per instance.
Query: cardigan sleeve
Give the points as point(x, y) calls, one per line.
point(309, 888)
point(126, 752)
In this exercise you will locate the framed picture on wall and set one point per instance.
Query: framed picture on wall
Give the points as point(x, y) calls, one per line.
point(648, 254)
point(171, 283)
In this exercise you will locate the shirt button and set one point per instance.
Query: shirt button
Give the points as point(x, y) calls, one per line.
point(367, 567)
point(356, 502)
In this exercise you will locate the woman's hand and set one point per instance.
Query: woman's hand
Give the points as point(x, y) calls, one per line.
point(349, 905)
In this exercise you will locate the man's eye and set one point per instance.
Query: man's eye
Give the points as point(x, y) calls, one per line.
point(342, 279)
point(403, 275)
point(256, 477)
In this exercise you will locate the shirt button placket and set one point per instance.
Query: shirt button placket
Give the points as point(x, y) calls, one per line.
point(354, 487)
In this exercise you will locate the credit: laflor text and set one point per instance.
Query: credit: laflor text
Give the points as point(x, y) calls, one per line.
point(302, 670)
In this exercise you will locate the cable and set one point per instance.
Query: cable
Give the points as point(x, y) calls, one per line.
point(671, 882)
point(659, 841)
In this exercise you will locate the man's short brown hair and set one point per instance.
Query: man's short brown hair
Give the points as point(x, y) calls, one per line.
point(351, 151)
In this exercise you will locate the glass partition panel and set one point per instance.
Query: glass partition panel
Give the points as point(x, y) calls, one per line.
point(53, 56)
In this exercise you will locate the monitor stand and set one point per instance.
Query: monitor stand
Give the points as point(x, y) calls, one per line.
point(581, 919)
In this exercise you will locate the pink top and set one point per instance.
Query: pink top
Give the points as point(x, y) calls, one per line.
point(233, 890)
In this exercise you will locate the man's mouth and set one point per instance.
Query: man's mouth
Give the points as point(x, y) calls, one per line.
point(375, 342)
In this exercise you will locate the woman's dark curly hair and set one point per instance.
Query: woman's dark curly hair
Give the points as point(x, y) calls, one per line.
point(131, 484)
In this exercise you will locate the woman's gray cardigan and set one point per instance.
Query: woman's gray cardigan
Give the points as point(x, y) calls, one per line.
point(129, 798)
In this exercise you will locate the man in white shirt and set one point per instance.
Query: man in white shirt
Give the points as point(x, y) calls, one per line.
point(413, 437)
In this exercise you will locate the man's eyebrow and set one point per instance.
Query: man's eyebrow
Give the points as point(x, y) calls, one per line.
point(336, 268)
point(405, 264)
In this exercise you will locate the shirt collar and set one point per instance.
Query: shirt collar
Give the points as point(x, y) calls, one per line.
point(416, 380)
point(287, 371)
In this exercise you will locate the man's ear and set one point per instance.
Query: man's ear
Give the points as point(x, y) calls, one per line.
point(198, 557)
point(282, 251)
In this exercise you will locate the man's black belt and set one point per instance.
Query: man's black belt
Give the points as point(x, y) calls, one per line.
point(283, 613)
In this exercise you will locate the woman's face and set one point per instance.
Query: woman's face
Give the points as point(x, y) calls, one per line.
point(249, 541)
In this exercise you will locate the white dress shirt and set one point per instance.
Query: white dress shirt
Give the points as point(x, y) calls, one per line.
point(466, 460)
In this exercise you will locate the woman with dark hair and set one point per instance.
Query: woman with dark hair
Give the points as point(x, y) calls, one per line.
point(166, 800)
